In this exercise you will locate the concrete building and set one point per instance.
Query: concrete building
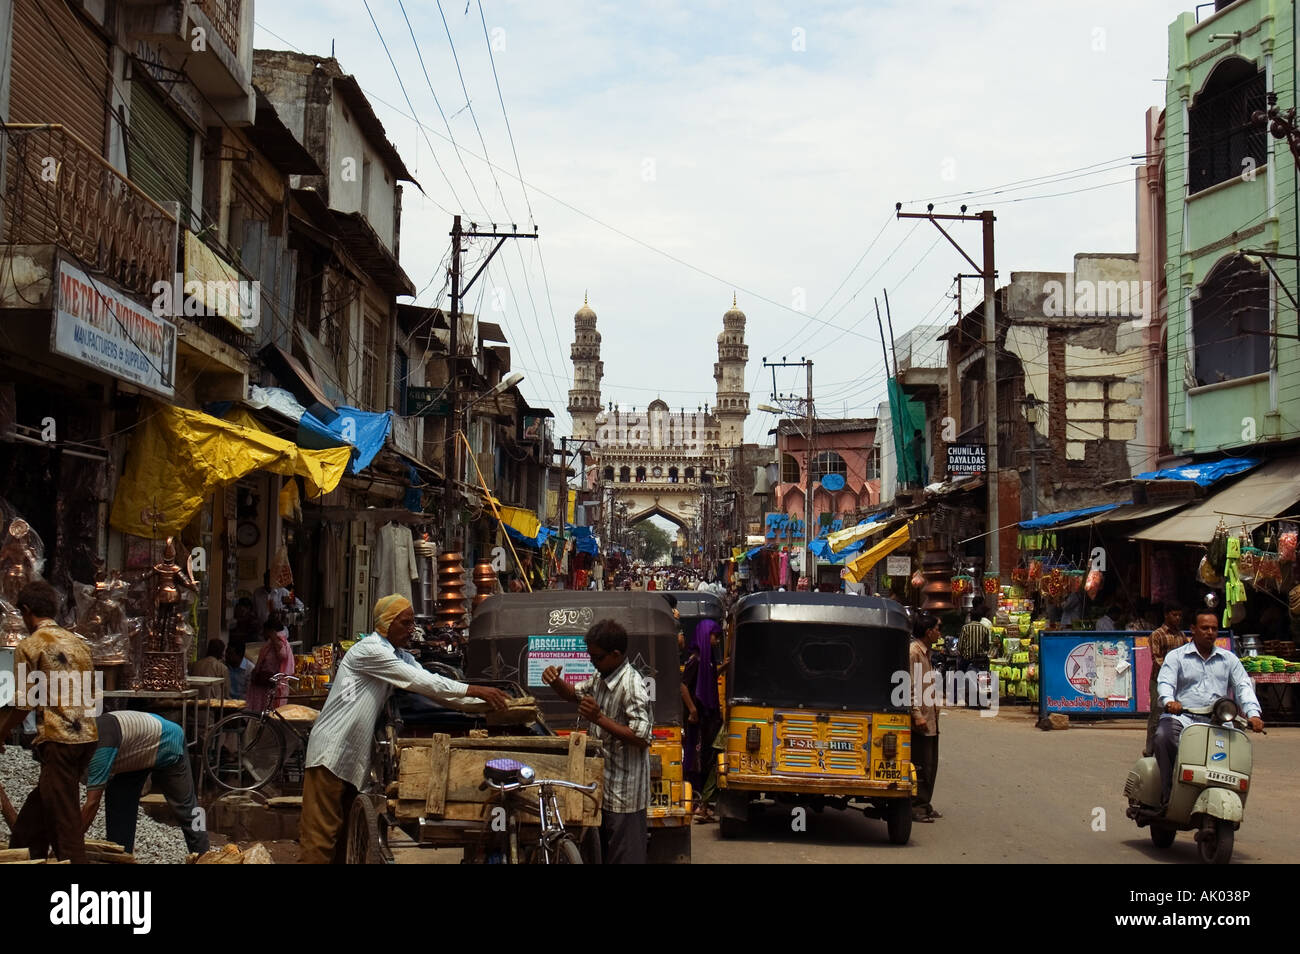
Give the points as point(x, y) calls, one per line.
point(1230, 194)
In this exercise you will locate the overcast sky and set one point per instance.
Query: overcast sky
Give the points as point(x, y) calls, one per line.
point(675, 153)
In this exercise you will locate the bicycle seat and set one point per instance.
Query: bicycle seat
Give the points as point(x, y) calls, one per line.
point(502, 771)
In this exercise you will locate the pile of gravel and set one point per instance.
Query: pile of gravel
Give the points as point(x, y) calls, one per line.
point(155, 842)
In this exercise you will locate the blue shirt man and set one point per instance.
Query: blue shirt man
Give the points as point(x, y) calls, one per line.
point(1193, 677)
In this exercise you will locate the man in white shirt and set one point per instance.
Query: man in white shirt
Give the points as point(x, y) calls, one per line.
point(338, 751)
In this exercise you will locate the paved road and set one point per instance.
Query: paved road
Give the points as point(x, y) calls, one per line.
point(1011, 793)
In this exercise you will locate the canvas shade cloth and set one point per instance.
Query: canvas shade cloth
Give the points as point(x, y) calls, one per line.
point(861, 565)
point(178, 457)
point(1254, 499)
point(849, 535)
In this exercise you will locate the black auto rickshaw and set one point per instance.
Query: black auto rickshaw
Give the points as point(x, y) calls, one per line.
point(815, 714)
point(518, 635)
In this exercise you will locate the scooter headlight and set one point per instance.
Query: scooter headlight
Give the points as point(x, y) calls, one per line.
point(1225, 710)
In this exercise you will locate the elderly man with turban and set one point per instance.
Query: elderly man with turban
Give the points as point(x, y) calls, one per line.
point(338, 752)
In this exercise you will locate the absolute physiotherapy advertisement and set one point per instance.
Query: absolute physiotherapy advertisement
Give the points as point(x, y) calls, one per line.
point(99, 326)
point(568, 652)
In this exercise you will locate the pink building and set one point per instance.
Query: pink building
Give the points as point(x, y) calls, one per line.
point(845, 447)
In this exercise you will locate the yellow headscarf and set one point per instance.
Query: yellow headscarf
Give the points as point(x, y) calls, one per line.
point(388, 609)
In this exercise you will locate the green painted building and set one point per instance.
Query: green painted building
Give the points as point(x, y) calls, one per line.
point(1230, 192)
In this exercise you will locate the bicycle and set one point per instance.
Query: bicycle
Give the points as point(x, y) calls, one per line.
point(555, 844)
point(259, 746)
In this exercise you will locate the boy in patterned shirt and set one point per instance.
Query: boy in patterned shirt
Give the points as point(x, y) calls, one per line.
point(617, 705)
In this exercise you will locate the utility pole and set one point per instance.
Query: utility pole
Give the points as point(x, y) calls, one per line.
point(989, 274)
point(810, 440)
point(455, 465)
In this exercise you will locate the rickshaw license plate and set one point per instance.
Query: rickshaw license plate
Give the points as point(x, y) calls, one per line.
point(1214, 776)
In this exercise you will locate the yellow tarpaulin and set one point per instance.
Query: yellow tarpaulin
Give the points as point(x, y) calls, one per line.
point(573, 499)
point(523, 521)
point(843, 538)
point(861, 564)
point(179, 457)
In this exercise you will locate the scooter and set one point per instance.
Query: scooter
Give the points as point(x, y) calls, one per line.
point(1211, 781)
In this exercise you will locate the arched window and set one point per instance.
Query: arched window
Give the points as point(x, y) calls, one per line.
point(1231, 303)
point(624, 475)
point(609, 474)
point(690, 473)
point(1223, 140)
point(672, 475)
point(640, 475)
point(789, 469)
point(829, 462)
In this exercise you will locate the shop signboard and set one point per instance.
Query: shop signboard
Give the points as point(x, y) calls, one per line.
point(99, 326)
point(783, 528)
point(1098, 674)
point(966, 460)
point(427, 402)
point(898, 566)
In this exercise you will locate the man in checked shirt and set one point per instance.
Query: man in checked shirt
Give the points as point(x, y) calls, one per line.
point(1162, 642)
point(617, 705)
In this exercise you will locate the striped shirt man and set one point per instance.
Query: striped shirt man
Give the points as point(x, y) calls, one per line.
point(622, 696)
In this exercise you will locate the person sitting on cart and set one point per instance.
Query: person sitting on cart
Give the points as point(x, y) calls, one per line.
point(617, 705)
point(338, 751)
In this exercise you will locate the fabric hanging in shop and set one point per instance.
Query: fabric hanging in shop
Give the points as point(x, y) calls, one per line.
point(179, 457)
point(861, 565)
point(392, 565)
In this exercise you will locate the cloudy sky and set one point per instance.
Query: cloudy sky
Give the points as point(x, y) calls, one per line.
point(673, 154)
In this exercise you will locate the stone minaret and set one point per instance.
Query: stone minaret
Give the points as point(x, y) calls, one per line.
point(729, 373)
point(588, 369)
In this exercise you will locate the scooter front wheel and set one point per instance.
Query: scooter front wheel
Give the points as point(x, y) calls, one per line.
point(1215, 841)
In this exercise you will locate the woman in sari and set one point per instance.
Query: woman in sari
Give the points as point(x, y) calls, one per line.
point(276, 657)
point(704, 716)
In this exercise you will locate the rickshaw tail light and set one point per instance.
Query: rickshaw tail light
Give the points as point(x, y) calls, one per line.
point(889, 745)
point(1187, 775)
point(1244, 783)
point(753, 738)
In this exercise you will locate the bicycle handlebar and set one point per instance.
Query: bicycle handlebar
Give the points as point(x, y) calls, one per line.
point(279, 677)
point(535, 783)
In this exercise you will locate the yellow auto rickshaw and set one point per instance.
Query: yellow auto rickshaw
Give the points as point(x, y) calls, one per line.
point(814, 714)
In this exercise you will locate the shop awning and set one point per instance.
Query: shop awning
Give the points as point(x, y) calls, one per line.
point(1254, 499)
point(840, 539)
point(1205, 474)
point(1062, 517)
point(178, 457)
point(861, 565)
point(1125, 513)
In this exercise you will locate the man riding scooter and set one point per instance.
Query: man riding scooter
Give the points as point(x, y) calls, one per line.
point(1194, 676)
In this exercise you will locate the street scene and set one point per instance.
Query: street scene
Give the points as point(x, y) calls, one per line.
point(504, 433)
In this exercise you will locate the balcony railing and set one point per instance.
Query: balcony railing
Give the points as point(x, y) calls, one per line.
point(60, 191)
point(224, 15)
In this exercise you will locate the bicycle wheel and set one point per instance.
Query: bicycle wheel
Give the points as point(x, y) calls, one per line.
point(243, 752)
point(564, 852)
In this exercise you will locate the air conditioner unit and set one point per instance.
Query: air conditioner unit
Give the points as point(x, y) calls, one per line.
point(360, 615)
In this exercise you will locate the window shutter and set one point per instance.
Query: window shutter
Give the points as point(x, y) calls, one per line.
point(158, 151)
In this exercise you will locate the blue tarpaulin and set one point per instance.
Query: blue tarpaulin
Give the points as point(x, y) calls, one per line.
point(1064, 516)
point(364, 430)
point(821, 549)
point(1202, 474)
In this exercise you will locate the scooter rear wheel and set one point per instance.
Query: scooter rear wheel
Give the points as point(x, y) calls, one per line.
point(1162, 836)
point(1215, 842)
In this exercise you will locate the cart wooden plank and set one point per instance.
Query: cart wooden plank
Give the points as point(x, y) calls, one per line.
point(575, 772)
point(436, 799)
point(413, 777)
